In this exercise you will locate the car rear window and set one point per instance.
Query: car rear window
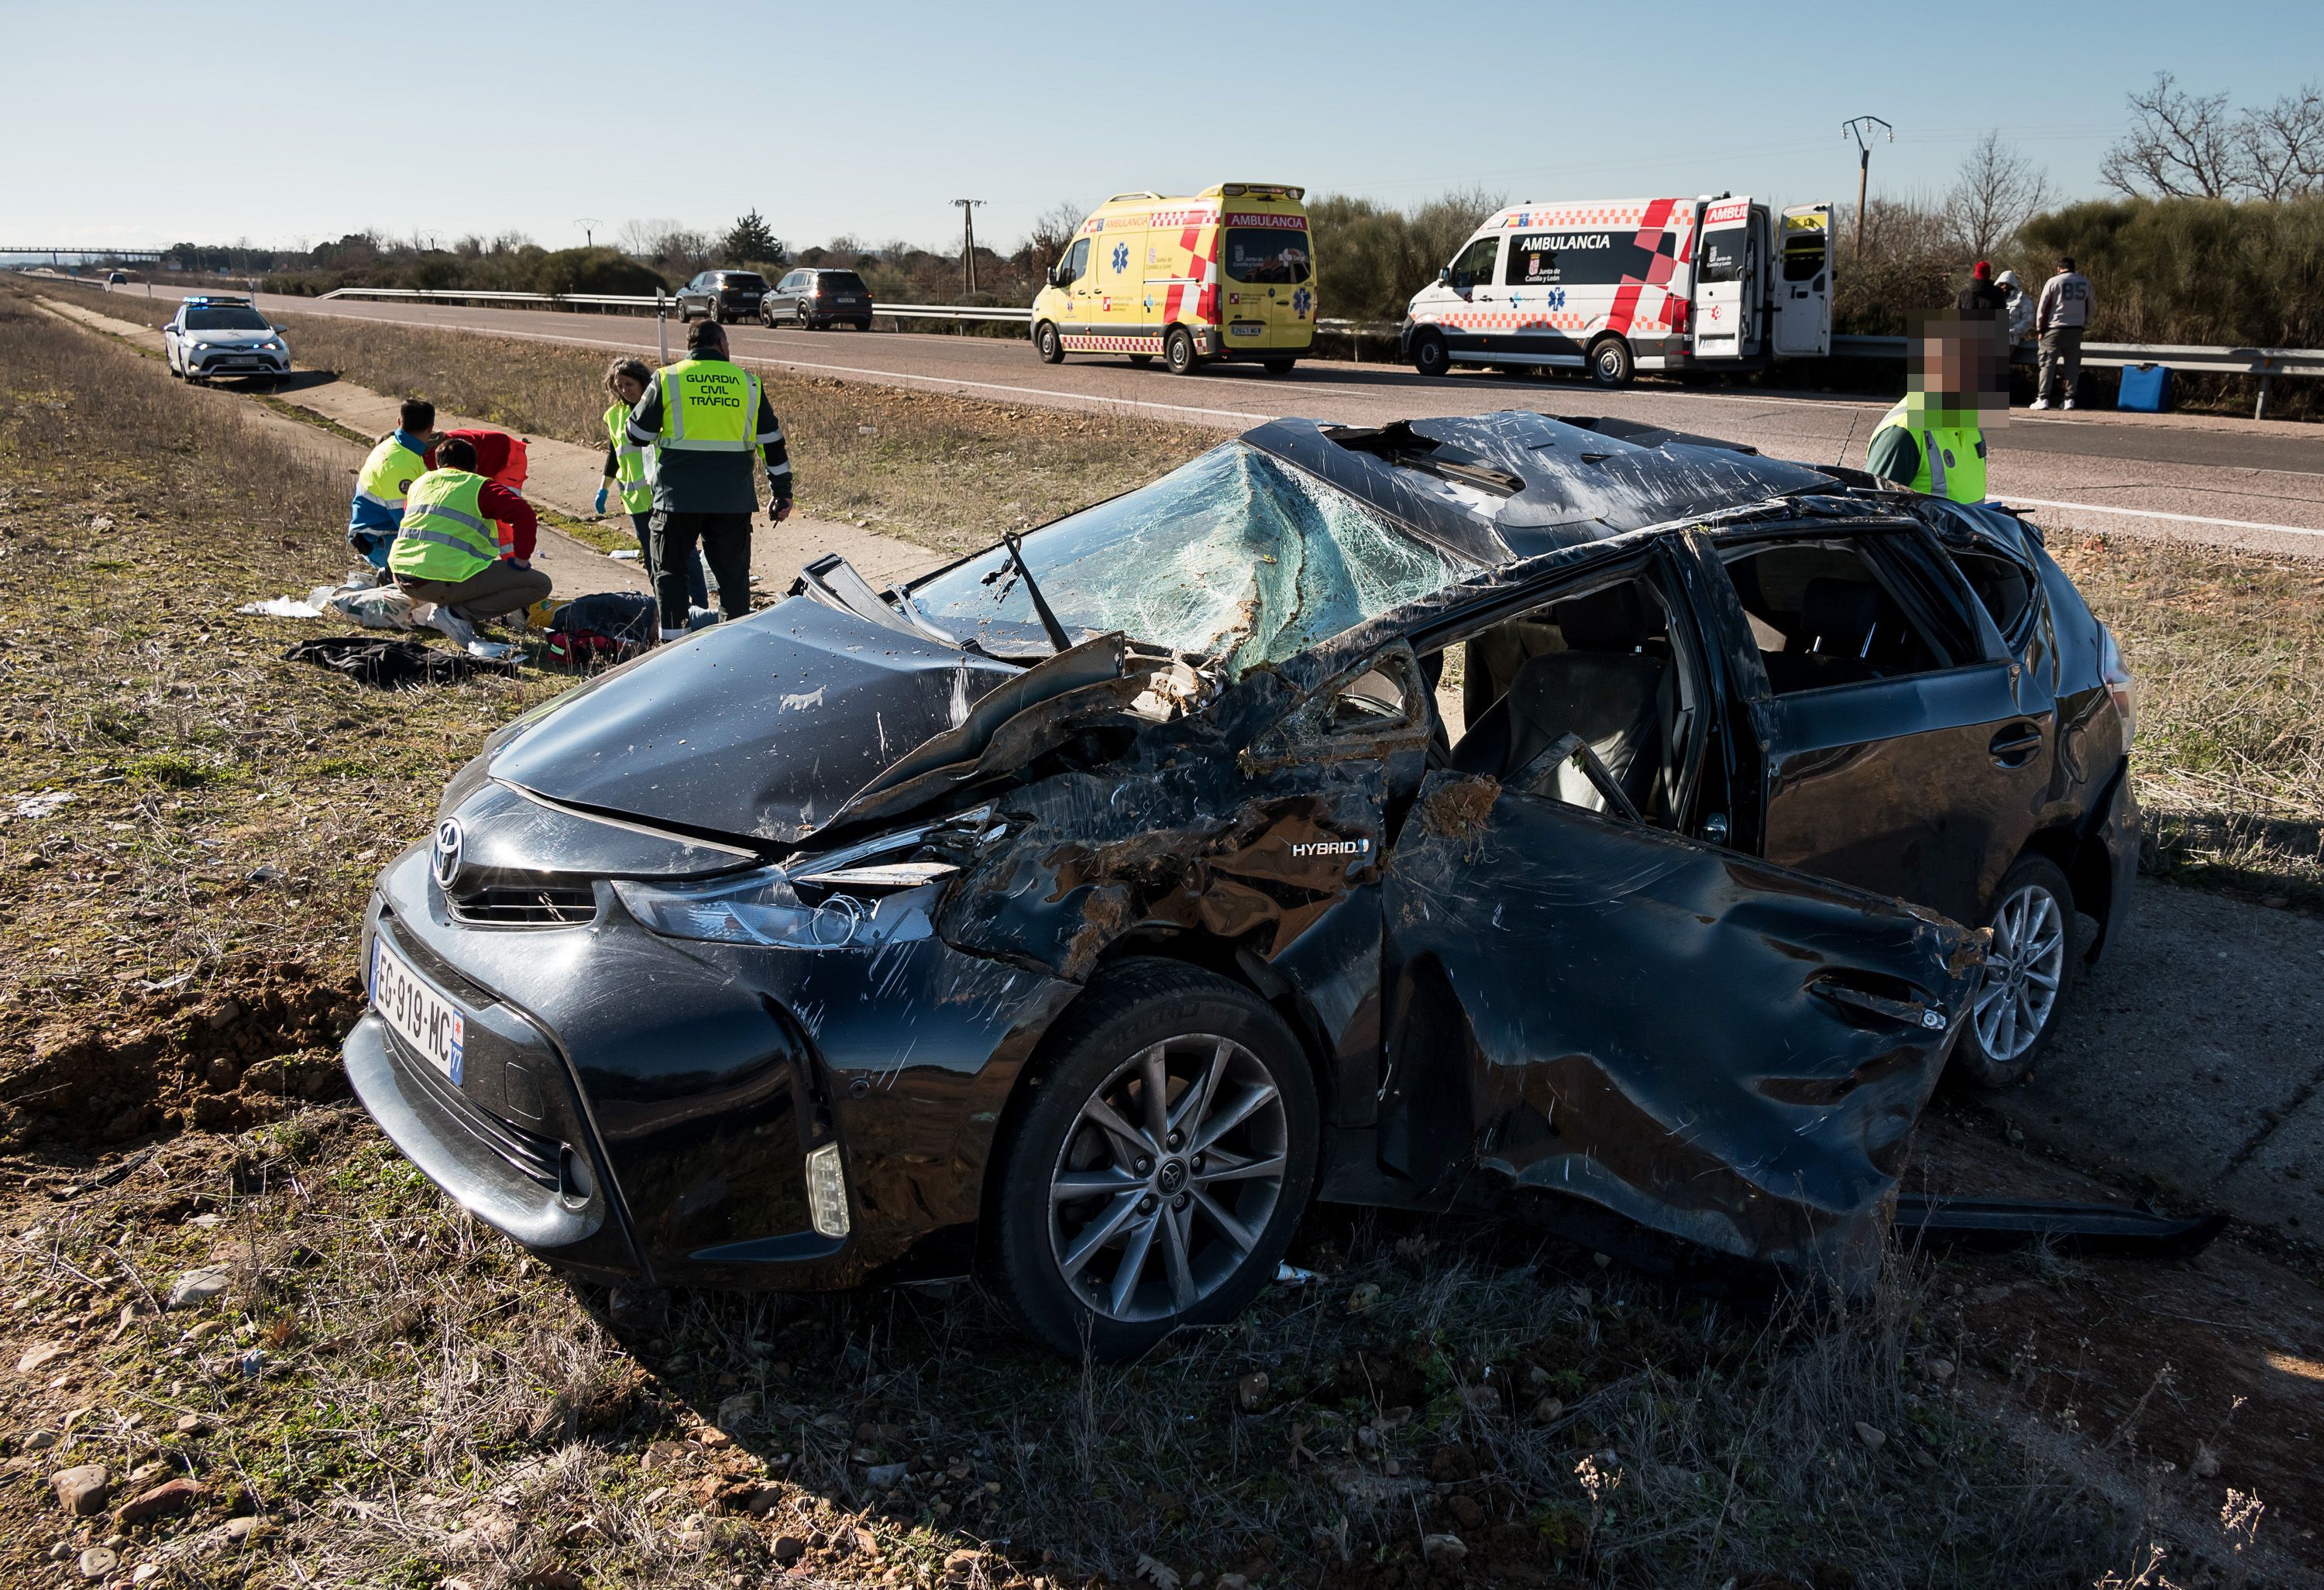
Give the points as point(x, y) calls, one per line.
point(746, 279)
point(1235, 556)
point(1265, 258)
point(224, 317)
point(841, 281)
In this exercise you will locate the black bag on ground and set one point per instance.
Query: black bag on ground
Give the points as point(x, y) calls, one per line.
point(392, 665)
point(631, 616)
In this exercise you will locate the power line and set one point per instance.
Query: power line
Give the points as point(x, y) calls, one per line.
point(1860, 128)
point(968, 243)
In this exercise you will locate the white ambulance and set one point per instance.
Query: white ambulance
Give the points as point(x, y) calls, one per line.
point(1621, 285)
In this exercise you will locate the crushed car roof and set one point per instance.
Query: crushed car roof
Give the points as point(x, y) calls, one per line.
point(1500, 487)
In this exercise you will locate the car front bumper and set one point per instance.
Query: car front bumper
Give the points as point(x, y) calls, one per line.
point(235, 361)
point(691, 1081)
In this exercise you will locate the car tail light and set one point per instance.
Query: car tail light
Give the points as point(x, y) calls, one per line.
point(2120, 682)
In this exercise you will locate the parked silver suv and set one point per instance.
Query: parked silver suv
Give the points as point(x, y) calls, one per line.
point(210, 337)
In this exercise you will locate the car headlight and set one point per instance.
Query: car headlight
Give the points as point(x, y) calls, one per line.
point(858, 907)
point(201, 347)
point(270, 346)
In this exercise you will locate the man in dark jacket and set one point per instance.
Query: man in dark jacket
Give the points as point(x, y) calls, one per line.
point(1981, 300)
point(712, 429)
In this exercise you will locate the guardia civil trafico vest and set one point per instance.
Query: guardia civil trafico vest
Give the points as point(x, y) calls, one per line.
point(629, 461)
point(445, 535)
point(708, 406)
point(1952, 454)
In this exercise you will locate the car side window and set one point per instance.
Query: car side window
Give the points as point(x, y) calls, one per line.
point(1822, 613)
point(1385, 702)
point(2005, 587)
point(1076, 261)
point(1606, 669)
point(1474, 268)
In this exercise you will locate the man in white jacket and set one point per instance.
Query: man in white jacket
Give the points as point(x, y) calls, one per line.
point(2059, 319)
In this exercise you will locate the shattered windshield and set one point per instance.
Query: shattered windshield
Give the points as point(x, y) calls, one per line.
point(1234, 555)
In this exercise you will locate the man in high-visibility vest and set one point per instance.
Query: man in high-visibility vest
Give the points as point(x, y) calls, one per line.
point(708, 420)
point(1934, 439)
point(449, 550)
point(626, 471)
point(386, 475)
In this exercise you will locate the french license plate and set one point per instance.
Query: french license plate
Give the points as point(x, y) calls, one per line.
point(419, 1016)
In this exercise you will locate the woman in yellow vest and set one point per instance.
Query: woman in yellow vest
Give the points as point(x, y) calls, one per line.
point(626, 471)
point(448, 549)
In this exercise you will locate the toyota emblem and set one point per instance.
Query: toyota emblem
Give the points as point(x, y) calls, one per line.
point(448, 852)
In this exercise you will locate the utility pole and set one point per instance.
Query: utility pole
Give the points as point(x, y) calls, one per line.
point(968, 244)
point(1860, 128)
point(588, 230)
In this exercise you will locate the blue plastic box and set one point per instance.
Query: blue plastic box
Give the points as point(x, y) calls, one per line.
point(2145, 389)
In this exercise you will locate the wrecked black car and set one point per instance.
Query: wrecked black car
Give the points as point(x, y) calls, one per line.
point(1489, 809)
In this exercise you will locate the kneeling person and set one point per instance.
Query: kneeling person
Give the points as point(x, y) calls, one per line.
point(448, 549)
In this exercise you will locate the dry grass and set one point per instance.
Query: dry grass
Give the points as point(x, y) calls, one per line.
point(401, 1396)
point(225, 809)
point(942, 471)
point(2229, 649)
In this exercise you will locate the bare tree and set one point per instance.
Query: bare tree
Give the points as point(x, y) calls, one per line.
point(1054, 231)
point(2282, 146)
point(2180, 145)
point(1996, 192)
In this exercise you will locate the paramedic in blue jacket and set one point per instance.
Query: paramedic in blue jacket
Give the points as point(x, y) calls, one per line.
point(400, 459)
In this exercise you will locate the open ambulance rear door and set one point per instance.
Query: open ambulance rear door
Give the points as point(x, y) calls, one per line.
point(1727, 266)
point(1804, 284)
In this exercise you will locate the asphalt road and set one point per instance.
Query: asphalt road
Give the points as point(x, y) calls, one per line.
point(2245, 484)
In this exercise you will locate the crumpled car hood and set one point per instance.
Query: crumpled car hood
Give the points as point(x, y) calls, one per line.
point(761, 728)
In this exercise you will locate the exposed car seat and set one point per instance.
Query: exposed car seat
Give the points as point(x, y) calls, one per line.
point(1603, 688)
point(1837, 621)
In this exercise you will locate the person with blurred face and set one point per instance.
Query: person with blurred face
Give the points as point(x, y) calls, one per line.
point(1934, 439)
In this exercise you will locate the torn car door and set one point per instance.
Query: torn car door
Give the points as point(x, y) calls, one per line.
point(1718, 1049)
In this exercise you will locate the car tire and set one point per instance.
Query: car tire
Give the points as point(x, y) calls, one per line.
point(1278, 366)
point(1430, 355)
point(1049, 344)
point(1178, 351)
point(800, 319)
point(862, 325)
point(767, 318)
point(2012, 1020)
point(1610, 364)
point(1112, 1273)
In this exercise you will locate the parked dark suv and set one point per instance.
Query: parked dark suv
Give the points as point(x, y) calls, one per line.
point(722, 296)
point(1502, 811)
point(815, 299)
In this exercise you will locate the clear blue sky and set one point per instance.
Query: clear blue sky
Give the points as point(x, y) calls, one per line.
point(443, 120)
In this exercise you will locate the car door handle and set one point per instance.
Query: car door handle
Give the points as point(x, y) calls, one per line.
point(2015, 746)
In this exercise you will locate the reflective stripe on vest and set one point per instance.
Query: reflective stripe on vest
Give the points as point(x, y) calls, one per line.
point(708, 406)
point(445, 535)
point(388, 474)
point(629, 461)
point(1953, 456)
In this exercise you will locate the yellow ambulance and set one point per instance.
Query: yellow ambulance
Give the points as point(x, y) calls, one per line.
point(1227, 274)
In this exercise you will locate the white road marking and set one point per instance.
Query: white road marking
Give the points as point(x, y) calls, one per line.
point(2182, 518)
point(995, 386)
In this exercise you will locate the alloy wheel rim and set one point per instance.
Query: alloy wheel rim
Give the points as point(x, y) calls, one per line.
point(2023, 971)
point(1167, 1179)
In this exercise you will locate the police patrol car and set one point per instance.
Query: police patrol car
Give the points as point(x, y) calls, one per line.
point(1617, 286)
point(1227, 274)
point(215, 335)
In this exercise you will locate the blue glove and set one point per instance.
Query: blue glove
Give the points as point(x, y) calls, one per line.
point(600, 498)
